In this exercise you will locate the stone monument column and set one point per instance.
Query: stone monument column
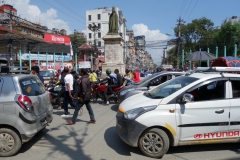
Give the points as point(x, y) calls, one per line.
point(113, 47)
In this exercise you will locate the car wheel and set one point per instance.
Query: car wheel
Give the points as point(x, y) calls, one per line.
point(10, 142)
point(154, 143)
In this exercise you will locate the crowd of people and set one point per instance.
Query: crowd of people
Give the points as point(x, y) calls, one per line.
point(79, 85)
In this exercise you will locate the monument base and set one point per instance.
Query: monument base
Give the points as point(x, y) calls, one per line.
point(113, 66)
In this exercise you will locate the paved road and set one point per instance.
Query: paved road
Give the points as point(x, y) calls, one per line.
point(84, 141)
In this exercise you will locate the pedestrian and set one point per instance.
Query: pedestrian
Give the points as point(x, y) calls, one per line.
point(68, 94)
point(84, 95)
point(35, 71)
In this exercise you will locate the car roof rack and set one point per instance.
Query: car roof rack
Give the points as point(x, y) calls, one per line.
point(217, 69)
point(13, 70)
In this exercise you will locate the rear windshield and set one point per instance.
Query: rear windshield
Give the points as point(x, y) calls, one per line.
point(46, 73)
point(31, 86)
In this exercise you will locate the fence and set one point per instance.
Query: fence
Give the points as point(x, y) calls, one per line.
point(216, 55)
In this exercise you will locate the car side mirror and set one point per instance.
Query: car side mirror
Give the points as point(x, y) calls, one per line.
point(186, 98)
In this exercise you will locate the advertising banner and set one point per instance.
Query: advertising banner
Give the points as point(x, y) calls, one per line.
point(52, 38)
point(58, 65)
point(42, 57)
point(84, 64)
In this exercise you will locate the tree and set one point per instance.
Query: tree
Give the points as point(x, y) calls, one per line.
point(228, 35)
point(77, 40)
point(197, 34)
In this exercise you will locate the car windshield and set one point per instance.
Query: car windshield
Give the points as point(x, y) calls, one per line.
point(146, 79)
point(170, 87)
point(46, 73)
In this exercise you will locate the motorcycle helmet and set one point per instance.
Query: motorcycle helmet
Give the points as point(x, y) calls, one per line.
point(108, 71)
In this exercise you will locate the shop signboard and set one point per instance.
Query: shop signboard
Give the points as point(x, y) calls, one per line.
point(56, 39)
point(58, 65)
point(84, 64)
point(43, 57)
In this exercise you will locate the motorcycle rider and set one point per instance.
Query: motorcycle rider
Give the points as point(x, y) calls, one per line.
point(112, 82)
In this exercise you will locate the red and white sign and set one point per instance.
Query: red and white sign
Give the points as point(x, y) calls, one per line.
point(52, 38)
point(57, 65)
point(217, 135)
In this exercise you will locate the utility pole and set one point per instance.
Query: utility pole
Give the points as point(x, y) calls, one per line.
point(10, 41)
point(94, 28)
point(180, 23)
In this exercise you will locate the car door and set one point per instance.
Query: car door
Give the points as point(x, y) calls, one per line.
point(207, 117)
point(234, 128)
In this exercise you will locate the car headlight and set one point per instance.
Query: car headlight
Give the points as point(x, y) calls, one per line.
point(125, 91)
point(134, 113)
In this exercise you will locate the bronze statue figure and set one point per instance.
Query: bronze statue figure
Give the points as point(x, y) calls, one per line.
point(113, 22)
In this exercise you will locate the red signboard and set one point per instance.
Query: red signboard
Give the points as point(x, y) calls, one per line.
point(52, 38)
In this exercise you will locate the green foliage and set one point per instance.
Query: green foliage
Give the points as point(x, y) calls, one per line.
point(228, 35)
point(202, 34)
point(77, 40)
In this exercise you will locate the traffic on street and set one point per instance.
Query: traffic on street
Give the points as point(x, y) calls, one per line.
point(116, 86)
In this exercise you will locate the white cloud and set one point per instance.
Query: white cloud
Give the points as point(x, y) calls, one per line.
point(34, 14)
point(151, 35)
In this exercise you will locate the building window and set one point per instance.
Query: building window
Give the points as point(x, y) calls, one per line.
point(99, 16)
point(99, 34)
point(89, 18)
point(90, 35)
point(99, 25)
point(99, 43)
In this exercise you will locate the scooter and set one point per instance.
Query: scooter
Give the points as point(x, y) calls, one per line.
point(98, 92)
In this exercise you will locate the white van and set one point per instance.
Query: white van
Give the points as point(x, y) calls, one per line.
point(197, 108)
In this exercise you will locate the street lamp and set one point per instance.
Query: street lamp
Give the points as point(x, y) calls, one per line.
point(94, 28)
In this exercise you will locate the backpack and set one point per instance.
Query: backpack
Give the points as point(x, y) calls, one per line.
point(114, 77)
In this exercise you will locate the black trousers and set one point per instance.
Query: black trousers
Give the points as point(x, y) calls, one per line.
point(109, 89)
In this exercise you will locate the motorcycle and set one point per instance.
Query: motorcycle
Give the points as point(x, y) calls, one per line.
point(98, 90)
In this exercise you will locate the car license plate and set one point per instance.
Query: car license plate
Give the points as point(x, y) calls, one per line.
point(43, 121)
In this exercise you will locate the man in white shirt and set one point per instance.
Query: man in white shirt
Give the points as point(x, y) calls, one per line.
point(68, 94)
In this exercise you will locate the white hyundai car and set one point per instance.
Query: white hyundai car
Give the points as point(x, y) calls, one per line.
point(197, 108)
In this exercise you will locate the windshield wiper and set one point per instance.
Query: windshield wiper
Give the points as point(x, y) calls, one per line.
point(156, 97)
point(147, 94)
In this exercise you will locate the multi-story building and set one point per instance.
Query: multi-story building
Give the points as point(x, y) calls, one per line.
point(19, 34)
point(5, 10)
point(100, 17)
point(130, 56)
point(233, 20)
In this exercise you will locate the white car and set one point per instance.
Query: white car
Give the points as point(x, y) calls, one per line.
point(197, 108)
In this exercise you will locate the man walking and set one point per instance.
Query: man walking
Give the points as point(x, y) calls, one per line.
point(84, 95)
point(68, 94)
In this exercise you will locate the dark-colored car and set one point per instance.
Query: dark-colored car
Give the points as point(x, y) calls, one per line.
point(47, 75)
point(147, 83)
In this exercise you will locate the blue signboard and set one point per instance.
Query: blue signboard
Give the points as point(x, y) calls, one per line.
point(42, 57)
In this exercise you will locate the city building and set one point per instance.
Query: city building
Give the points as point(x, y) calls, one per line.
point(5, 9)
point(31, 39)
point(233, 20)
point(100, 17)
point(130, 56)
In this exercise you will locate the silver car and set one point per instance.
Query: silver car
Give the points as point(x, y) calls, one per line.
point(25, 110)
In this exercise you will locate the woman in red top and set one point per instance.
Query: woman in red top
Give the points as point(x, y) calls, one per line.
point(136, 76)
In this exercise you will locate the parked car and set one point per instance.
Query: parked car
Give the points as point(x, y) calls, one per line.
point(197, 108)
point(147, 83)
point(25, 110)
point(47, 75)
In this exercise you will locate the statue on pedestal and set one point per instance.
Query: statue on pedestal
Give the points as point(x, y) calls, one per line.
point(113, 22)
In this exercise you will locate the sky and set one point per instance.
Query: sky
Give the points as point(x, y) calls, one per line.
point(152, 18)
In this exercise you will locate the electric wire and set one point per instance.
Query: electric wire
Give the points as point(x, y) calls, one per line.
point(71, 10)
point(192, 9)
point(188, 8)
point(65, 13)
